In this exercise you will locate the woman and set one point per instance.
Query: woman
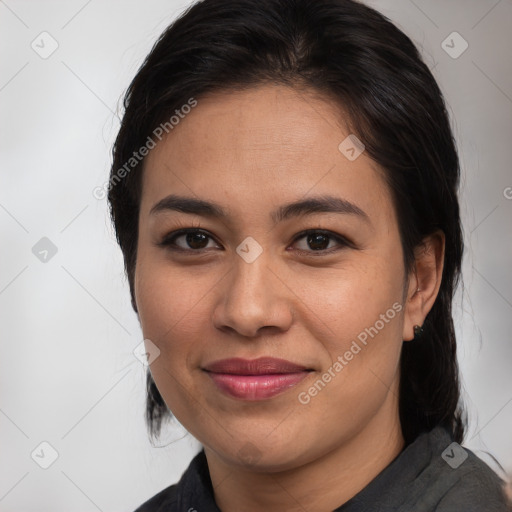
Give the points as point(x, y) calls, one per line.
point(284, 191)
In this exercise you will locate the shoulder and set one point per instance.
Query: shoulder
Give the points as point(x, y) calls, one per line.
point(477, 488)
point(436, 474)
point(159, 502)
point(193, 486)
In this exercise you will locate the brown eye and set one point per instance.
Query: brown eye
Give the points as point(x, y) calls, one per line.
point(192, 240)
point(320, 241)
point(196, 240)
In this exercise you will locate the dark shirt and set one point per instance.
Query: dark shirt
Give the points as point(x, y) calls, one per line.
point(430, 474)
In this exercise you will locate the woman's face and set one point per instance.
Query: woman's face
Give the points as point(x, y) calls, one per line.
point(250, 285)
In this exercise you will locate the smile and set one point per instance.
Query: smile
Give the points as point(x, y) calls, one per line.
point(258, 379)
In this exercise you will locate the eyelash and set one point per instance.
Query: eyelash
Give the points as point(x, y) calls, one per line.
point(168, 241)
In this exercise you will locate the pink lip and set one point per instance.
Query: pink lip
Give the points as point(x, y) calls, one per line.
point(261, 366)
point(256, 387)
point(255, 379)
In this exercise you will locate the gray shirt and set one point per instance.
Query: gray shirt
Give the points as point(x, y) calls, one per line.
point(432, 474)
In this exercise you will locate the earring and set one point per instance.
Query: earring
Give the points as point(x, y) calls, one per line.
point(418, 331)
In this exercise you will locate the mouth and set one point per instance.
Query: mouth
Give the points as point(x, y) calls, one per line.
point(256, 379)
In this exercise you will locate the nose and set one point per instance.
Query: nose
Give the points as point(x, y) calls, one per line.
point(253, 299)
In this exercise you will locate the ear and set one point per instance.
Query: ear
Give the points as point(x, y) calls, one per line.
point(424, 282)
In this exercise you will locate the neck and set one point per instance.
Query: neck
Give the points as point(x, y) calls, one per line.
point(322, 485)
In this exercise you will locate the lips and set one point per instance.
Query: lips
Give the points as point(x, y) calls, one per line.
point(261, 366)
point(256, 379)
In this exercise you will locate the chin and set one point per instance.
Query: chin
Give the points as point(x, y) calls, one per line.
point(265, 455)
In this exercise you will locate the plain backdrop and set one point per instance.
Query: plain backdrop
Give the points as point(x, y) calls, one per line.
point(68, 376)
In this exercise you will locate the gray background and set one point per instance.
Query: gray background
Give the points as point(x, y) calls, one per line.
point(67, 372)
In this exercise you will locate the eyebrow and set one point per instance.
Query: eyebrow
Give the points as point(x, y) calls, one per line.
point(319, 204)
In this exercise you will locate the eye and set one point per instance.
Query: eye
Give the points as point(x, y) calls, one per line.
point(318, 240)
point(194, 240)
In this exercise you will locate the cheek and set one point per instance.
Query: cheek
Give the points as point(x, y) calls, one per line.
point(360, 370)
point(343, 302)
point(358, 315)
point(168, 297)
point(172, 315)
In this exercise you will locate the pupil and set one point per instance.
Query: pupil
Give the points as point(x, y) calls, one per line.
point(194, 240)
point(315, 241)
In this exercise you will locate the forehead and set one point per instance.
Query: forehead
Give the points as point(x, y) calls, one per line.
point(261, 123)
point(261, 146)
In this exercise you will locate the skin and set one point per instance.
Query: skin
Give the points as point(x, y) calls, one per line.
point(250, 152)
